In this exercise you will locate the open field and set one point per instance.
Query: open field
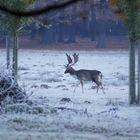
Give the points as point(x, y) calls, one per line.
point(86, 116)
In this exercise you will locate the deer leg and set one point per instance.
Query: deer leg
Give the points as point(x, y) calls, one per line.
point(82, 86)
point(97, 88)
point(76, 86)
point(102, 88)
point(98, 85)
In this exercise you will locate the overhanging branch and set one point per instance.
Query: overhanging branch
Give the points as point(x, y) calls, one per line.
point(46, 9)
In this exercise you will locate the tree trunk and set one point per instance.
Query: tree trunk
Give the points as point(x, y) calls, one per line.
point(15, 57)
point(92, 29)
point(138, 99)
point(60, 33)
point(8, 51)
point(102, 41)
point(92, 25)
point(102, 36)
point(132, 90)
point(71, 33)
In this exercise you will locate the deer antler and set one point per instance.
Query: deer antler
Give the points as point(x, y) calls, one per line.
point(75, 58)
point(69, 59)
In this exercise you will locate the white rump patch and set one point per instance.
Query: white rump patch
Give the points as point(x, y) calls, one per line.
point(100, 77)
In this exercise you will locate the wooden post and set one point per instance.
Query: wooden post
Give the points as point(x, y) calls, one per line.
point(132, 86)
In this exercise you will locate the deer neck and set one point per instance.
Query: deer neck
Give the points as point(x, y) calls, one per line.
point(72, 71)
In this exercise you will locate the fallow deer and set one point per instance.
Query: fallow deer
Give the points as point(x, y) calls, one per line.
point(83, 74)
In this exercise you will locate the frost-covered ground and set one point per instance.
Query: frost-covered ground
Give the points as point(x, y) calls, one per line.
point(88, 116)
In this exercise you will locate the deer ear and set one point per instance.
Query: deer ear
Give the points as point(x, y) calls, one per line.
point(65, 66)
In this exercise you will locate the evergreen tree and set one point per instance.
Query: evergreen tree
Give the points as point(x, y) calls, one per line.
point(12, 26)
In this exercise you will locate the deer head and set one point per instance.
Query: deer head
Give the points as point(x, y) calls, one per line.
point(71, 62)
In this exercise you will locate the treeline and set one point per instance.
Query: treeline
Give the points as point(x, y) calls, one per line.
point(71, 32)
point(91, 21)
